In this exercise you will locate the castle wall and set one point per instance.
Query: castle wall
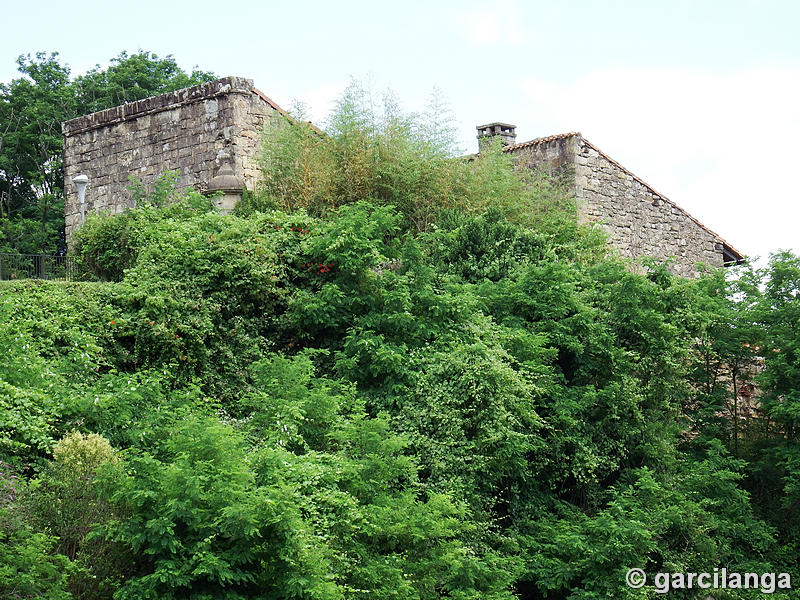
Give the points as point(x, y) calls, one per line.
point(195, 130)
point(191, 131)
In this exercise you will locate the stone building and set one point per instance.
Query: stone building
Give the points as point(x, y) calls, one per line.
point(639, 221)
point(210, 134)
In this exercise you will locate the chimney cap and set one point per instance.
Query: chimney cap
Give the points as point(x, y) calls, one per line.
point(497, 124)
point(506, 130)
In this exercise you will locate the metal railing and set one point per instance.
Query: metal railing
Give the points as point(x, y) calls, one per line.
point(35, 266)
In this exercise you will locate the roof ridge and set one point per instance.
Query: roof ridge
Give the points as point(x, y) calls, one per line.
point(541, 140)
point(560, 136)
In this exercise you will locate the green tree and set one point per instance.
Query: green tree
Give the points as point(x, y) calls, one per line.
point(387, 157)
point(724, 359)
point(390, 393)
point(28, 565)
point(65, 500)
point(31, 173)
point(777, 468)
point(32, 108)
point(131, 77)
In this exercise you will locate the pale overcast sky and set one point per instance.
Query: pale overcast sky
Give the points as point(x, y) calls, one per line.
point(700, 99)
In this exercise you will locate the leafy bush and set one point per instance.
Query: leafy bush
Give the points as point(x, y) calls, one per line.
point(54, 335)
point(109, 246)
point(65, 499)
point(428, 381)
point(28, 569)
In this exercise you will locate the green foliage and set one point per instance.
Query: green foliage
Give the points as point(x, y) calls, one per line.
point(473, 422)
point(79, 455)
point(199, 522)
point(779, 311)
point(419, 381)
point(351, 476)
point(31, 171)
point(109, 246)
point(133, 77)
point(486, 247)
point(690, 522)
point(53, 339)
point(27, 567)
point(774, 310)
point(65, 500)
point(390, 158)
point(609, 369)
point(725, 358)
point(204, 515)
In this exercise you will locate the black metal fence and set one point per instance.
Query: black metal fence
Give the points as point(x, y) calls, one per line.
point(35, 266)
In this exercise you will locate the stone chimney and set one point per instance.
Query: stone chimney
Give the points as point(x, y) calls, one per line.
point(486, 133)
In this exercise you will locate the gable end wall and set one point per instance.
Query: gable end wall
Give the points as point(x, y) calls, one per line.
point(638, 220)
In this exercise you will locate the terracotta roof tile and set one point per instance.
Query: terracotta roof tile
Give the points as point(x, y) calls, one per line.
point(269, 101)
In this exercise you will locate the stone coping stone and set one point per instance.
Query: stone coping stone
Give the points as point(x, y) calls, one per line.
point(154, 104)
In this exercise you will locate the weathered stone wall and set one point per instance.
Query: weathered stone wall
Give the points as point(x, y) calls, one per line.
point(192, 131)
point(638, 220)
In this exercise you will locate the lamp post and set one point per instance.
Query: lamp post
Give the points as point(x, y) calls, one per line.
point(80, 182)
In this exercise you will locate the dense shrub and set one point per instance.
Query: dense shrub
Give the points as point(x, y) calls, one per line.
point(108, 246)
point(393, 374)
point(406, 161)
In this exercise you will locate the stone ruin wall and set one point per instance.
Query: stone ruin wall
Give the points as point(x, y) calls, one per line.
point(192, 131)
point(638, 220)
